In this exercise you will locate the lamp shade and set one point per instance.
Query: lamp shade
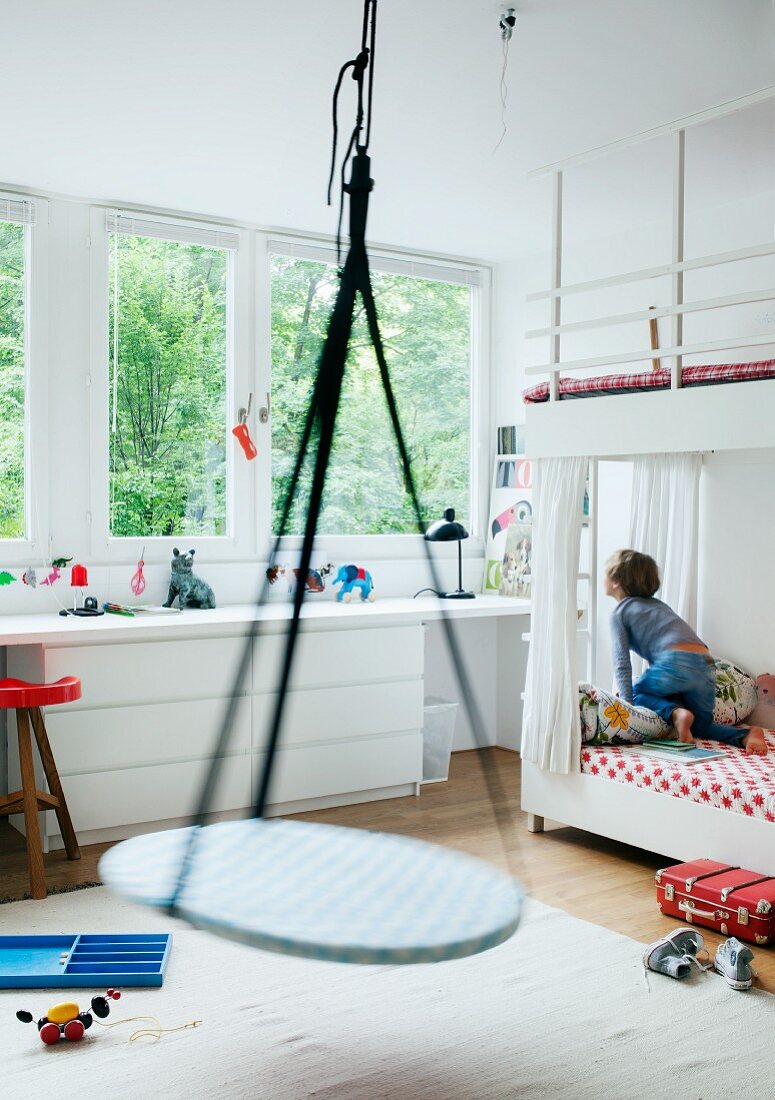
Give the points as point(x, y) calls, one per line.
point(447, 529)
point(78, 576)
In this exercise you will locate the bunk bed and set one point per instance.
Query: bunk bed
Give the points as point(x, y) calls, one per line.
point(726, 812)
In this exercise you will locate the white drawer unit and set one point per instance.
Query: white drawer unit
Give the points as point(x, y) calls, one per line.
point(147, 672)
point(347, 656)
point(135, 748)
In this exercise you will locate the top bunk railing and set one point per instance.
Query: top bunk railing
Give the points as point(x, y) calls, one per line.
point(678, 308)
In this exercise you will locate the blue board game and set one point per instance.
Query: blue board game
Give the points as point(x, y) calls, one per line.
point(70, 962)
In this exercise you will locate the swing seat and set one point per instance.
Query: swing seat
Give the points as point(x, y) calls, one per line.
point(320, 891)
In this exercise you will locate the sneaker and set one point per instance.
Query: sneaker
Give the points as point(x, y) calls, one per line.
point(674, 954)
point(732, 961)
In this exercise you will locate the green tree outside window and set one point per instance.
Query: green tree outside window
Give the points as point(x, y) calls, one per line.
point(12, 381)
point(426, 327)
point(168, 452)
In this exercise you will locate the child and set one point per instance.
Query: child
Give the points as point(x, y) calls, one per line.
point(680, 683)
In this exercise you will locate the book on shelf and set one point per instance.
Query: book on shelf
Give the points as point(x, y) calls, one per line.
point(511, 439)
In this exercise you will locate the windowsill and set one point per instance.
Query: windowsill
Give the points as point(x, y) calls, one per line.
point(233, 620)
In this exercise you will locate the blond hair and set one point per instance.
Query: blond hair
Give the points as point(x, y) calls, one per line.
point(637, 573)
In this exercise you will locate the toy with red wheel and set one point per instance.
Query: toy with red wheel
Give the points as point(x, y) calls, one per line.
point(66, 1021)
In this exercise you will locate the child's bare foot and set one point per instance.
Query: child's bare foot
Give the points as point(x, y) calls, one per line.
point(682, 722)
point(754, 742)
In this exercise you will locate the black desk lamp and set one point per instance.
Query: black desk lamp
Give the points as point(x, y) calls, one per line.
point(449, 530)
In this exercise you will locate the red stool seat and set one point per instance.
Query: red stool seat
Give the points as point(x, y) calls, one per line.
point(19, 693)
point(27, 699)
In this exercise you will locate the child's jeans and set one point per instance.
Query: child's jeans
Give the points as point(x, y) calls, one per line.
point(680, 678)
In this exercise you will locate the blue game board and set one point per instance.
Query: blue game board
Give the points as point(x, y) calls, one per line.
point(70, 962)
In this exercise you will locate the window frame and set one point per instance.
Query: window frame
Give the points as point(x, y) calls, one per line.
point(397, 546)
point(33, 547)
point(240, 540)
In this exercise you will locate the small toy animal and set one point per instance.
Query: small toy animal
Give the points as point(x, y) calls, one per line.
point(316, 578)
point(765, 686)
point(353, 576)
point(6, 577)
point(57, 565)
point(190, 590)
point(66, 1021)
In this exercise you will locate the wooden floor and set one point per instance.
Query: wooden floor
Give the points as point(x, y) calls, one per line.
point(589, 877)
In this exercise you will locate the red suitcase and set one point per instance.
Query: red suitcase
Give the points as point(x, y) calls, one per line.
point(730, 900)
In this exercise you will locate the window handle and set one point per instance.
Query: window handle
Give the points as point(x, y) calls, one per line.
point(243, 414)
point(263, 412)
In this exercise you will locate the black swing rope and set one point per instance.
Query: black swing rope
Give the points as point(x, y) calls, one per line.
point(320, 421)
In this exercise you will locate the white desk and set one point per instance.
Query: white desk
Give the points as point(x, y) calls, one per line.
point(133, 751)
point(327, 613)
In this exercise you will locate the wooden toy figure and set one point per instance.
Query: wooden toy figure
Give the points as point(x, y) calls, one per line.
point(66, 1021)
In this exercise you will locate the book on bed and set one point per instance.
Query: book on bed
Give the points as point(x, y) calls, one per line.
point(688, 756)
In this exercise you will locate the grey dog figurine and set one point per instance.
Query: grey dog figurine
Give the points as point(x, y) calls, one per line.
point(190, 590)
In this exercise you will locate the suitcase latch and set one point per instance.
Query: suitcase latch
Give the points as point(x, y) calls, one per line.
point(669, 891)
point(742, 915)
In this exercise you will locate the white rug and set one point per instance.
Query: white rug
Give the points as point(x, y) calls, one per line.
point(560, 1010)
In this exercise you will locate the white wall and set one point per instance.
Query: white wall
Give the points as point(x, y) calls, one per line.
point(737, 578)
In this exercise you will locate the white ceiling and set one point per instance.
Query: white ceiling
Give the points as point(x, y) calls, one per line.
point(224, 109)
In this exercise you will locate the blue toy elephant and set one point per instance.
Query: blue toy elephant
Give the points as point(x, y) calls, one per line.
point(350, 577)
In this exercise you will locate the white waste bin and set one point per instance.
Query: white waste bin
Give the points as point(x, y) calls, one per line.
point(437, 733)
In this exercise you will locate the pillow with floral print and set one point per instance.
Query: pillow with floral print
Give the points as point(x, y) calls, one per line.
point(608, 720)
point(736, 694)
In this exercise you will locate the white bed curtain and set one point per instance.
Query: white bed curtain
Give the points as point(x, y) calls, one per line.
point(551, 732)
point(664, 524)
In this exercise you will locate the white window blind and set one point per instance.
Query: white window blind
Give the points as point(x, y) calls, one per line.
point(19, 211)
point(129, 224)
point(390, 265)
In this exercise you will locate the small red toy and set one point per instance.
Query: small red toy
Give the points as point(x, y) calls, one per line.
point(242, 435)
point(66, 1021)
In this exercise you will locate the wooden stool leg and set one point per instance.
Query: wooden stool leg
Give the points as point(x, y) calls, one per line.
point(30, 802)
point(55, 785)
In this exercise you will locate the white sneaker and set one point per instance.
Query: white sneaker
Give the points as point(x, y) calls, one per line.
point(733, 960)
point(674, 954)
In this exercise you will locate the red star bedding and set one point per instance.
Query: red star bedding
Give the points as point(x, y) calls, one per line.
point(712, 374)
point(740, 783)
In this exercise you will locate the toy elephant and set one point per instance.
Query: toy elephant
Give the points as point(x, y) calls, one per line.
point(353, 576)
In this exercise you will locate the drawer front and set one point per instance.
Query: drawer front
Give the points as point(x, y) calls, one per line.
point(121, 737)
point(339, 713)
point(106, 799)
point(147, 671)
point(321, 770)
point(351, 656)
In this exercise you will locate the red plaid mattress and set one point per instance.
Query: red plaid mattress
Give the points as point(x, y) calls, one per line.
point(740, 783)
point(712, 374)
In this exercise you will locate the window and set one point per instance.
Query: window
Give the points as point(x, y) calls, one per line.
point(170, 378)
point(426, 315)
point(15, 218)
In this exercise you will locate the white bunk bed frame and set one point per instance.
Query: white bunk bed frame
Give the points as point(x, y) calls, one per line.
point(728, 416)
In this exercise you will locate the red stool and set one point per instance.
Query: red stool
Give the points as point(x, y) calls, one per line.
point(27, 699)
